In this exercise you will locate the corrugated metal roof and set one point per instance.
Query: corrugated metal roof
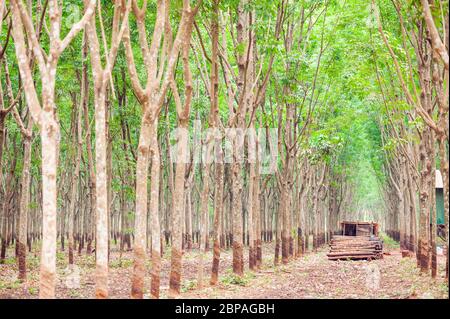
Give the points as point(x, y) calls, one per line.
point(358, 222)
point(439, 182)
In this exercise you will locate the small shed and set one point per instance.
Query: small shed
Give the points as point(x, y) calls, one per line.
point(439, 199)
point(359, 228)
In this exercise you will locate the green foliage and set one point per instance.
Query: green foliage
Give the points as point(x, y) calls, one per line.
point(10, 261)
point(332, 76)
point(33, 291)
point(121, 263)
point(231, 278)
point(188, 285)
point(388, 242)
point(10, 285)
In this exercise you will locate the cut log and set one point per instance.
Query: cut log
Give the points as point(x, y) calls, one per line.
point(368, 257)
point(355, 247)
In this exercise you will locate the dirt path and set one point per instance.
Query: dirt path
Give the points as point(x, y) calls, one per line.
point(312, 276)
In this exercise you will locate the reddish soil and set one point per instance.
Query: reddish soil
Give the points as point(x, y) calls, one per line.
point(311, 276)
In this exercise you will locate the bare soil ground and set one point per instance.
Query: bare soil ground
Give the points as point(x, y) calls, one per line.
point(311, 276)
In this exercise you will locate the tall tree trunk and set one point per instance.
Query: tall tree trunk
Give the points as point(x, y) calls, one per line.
point(154, 211)
point(76, 172)
point(178, 211)
point(49, 140)
point(218, 225)
point(238, 245)
point(142, 164)
point(251, 218)
point(24, 203)
point(101, 247)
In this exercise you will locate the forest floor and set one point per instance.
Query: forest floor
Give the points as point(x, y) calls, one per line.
point(311, 276)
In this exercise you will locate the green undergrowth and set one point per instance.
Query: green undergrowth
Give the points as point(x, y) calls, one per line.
point(15, 284)
point(388, 242)
point(121, 263)
point(231, 279)
point(188, 285)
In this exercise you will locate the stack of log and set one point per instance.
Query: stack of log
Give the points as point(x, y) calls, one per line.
point(355, 247)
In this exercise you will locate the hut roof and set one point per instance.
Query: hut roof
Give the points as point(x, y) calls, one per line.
point(358, 222)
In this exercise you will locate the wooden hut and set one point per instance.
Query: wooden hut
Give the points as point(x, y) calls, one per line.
point(359, 228)
point(440, 221)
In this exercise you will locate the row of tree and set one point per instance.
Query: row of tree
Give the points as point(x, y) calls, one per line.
point(351, 107)
point(416, 141)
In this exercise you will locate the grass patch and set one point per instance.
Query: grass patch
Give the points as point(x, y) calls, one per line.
point(188, 285)
point(62, 259)
point(75, 293)
point(10, 285)
point(231, 278)
point(121, 263)
point(32, 291)
point(388, 242)
point(87, 261)
point(33, 262)
point(11, 261)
